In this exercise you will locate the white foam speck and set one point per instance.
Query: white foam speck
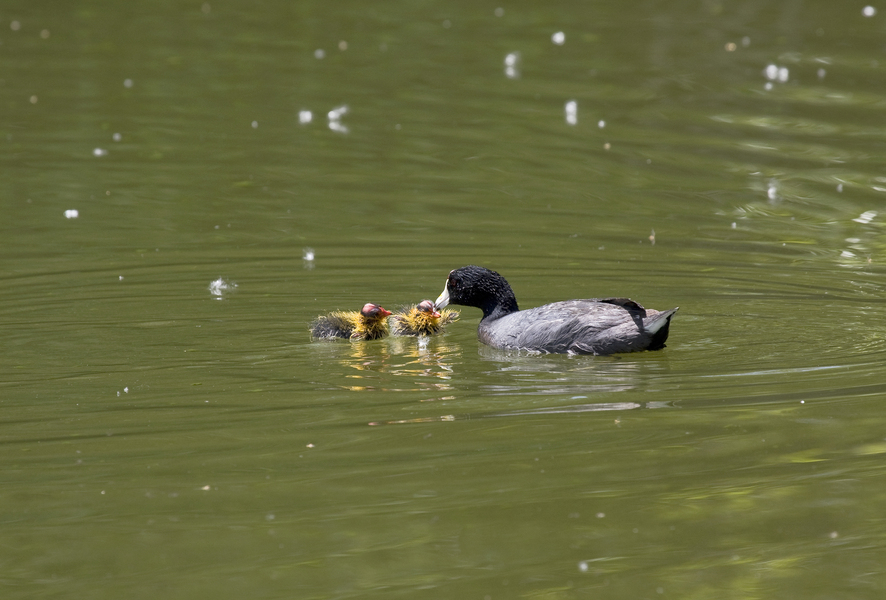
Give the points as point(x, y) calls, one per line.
point(869, 11)
point(512, 64)
point(335, 116)
point(305, 116)
point(337, 113)
point(117, 137)
point(72, 213)
point(220, 286)
point(319, 53)
point(99, 152)
point(127, 83)
point(308, 254)
point(559, 38)
point(572, 112)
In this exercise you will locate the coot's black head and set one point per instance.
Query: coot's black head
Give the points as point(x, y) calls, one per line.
point(480, 287)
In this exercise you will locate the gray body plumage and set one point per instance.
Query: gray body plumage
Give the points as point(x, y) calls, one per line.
point(593, 326)
point(578, 327)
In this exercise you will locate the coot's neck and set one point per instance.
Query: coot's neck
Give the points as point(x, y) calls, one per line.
point(502, 303)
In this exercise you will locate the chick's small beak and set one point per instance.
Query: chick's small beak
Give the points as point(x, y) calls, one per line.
point(383, 312)
point(443, 300)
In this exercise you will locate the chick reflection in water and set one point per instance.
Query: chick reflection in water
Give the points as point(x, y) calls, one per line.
point(371, 323)
point(422, 319)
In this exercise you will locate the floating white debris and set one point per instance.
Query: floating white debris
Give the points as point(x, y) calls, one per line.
point(308, 254)
point(776, 73)
point(99, 152)
point(499, 12)
point(772, 192)
point(335, 116)
point(305, 117)
point(572, 112)
point(559, 38)
point(337, 113)
point(117, 137)
point(512, 64)
point(220, 286)
point(319, 53)
point(72, 213)
point(127, 83)
point(840, 187)
point(601, 123)
point(869, 11)
point(255, 124)
point(866, 217)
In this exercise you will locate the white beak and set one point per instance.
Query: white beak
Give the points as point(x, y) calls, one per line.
point(443, 299)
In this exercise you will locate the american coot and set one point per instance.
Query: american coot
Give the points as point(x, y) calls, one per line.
point(595, 326)
point(368, 324)
point(422, 319)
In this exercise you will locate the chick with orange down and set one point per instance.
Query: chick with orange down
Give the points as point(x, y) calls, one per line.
point(370, 323)
point(421, 319)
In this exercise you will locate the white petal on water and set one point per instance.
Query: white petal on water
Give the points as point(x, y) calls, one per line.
point(572, 112)
point(220, 286)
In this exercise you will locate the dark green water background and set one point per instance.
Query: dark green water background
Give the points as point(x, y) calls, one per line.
point(160, 441)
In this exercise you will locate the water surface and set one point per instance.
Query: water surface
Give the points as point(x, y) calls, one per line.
point(162, 439)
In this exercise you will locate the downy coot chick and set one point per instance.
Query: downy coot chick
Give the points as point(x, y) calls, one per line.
point(594, 326)
point(423, 319)
point(368, 324)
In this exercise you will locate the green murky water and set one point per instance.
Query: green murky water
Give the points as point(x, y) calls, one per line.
point(162, 440)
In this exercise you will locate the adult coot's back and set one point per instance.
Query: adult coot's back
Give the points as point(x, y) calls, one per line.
point(595, 326)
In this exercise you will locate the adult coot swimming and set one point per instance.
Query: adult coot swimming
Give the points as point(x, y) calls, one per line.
point(594, 326)
point(371, 323)
point(421, 319)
